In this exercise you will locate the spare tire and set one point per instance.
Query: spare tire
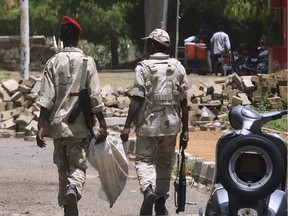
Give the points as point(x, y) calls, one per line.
point(250, 167)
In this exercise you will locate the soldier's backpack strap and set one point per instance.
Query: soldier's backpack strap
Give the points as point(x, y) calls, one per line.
point(173, 64)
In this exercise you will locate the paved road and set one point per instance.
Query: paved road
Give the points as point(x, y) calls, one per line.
point(28, 185)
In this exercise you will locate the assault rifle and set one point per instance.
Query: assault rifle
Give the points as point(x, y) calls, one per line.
point(85, 106)
point(84, 101)
point(180, 182)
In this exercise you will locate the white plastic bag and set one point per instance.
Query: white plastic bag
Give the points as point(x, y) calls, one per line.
point(110, 160)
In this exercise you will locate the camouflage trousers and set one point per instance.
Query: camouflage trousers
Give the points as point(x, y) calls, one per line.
point(70, 158)
point(155, 157)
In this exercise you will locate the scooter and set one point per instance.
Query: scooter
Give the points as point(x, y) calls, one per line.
point(251, 65)
point(251, 168)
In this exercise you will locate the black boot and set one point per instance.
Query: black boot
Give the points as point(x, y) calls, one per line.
point(149, 199)
point(160, 208)
point(71, 209)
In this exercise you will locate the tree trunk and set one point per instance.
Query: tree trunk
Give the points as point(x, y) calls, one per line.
point(114, 41)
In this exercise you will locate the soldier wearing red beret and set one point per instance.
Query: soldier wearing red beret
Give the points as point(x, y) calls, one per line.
point(61, 78)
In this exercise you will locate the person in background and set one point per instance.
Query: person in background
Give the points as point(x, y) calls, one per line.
point(158, 109)
point(204, 36)
point(57, 98)
point(220, 43)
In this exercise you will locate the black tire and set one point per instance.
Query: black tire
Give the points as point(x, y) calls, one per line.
point(237, 67)
point(243, 184)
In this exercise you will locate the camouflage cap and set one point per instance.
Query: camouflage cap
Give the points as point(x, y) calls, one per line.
point(160, 36)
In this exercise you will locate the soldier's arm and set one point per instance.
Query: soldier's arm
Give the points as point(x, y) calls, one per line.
point(134, 106)
point(43, 118)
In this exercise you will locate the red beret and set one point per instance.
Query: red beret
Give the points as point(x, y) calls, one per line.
point(68, 20)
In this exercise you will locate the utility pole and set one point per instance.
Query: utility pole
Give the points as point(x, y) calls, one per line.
point(177, 30)
point(25, 44)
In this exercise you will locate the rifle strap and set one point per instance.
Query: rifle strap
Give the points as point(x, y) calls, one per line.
point(84, 73)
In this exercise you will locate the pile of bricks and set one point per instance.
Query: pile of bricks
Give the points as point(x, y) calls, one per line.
point(18, 110)
point(207, 100)
point(10, 52)
point(218, 96)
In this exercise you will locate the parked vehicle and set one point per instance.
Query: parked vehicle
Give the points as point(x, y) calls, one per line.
point(250, 65)
point(251, 168)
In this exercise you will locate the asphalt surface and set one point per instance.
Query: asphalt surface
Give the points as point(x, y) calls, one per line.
point(29, 186)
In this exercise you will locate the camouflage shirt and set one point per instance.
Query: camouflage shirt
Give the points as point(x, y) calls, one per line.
point(61, 76)
point(162, 89)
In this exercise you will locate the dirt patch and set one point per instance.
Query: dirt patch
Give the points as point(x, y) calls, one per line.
point(202, 144)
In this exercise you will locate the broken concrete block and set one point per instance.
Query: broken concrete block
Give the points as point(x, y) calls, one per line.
point(30, 82)
point(11, 86)
point(217, 90)
point(24, 88)
point(248, 85)
point(8, 124)
point(6, 115)
point(244, 98)
point(236, 101)
point(206, 98)
point(3, 106)
point(36, 87)
point(123, 101)
point(16, 96)
point(24, 118)
point(4, 94)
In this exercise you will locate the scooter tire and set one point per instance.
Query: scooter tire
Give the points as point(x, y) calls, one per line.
point(227, 168)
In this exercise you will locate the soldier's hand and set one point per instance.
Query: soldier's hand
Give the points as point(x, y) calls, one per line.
point(125, 134)
point(40, 139)
point(184, 138)
point(101, 135)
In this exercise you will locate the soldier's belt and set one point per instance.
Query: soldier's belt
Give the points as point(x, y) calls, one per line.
point(73, 94)
point(161, 97)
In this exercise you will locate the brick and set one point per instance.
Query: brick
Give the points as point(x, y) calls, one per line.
point(206, 98)
point(31, 128)
point(24, 88)
point(11, 86)
point(236, 79)
point(36, 87)
point(283, 91)
point(16, 96)
point(30, 82)
point(244, 98)
point(217, 90)
point(24, 118)
point(123, 102)
point(8, 124)
point(248, 85)
point(4, 94)
point(3, 106)
point(6, 115)
point(236, 101)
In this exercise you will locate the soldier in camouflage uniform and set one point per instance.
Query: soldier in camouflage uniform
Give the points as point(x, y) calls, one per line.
point(157, 109)
point(61, 78)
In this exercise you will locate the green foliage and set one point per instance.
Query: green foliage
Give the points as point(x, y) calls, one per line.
point(190, 164)
point(279, 124)
point(99, 53)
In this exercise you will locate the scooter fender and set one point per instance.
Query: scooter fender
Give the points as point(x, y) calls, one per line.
point(218, 204)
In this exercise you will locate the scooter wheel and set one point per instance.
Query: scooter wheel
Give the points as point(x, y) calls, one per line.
point(250, 167)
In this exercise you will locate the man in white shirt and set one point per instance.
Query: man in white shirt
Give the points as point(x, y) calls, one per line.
point(220, 43)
